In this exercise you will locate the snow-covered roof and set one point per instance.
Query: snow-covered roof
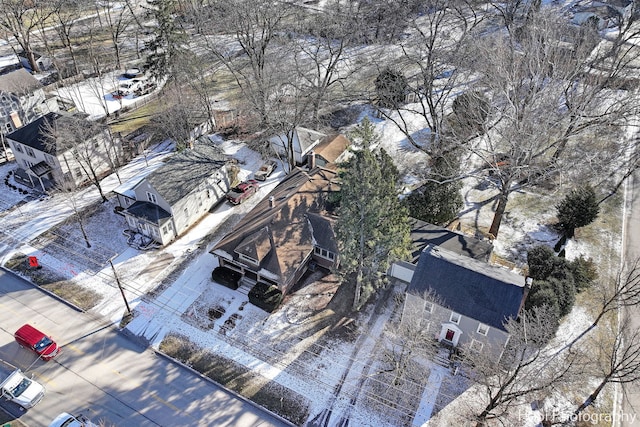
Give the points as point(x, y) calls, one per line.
point(126, 188)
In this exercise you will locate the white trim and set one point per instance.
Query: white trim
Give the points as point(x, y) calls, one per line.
point(428, 306)
point(451, 317)
point(483, 326)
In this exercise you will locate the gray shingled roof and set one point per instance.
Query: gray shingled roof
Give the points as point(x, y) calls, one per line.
point(469, 287)
point(150, 212)
point(308, 138)
point(424, 234)
point(186, 170)
point(19, 81)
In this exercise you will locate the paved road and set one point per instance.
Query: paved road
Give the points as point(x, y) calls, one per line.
point(630, 414)
point(102, 374)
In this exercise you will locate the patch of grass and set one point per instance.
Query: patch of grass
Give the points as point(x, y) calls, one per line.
point(140, 117)
point(264, 392)
point(54, 282)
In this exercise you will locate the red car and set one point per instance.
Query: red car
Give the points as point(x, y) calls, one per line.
point(242, 191)
point(36, 341)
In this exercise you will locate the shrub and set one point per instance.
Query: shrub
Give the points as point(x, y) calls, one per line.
point(267, 297)
point(391, 88)
point(541, 260)
point(584, 272)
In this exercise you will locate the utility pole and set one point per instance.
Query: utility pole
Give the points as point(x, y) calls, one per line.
point(126, 303)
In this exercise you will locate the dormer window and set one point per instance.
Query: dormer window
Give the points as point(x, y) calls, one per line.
point(17, 147)
point(30, 151)
point(152, 198)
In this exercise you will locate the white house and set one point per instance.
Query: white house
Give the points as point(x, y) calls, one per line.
point(44, 161)
point(168, 200)
point(302, 141)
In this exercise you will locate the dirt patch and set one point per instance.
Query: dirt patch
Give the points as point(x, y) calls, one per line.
point(53, 282)
point(264, 392)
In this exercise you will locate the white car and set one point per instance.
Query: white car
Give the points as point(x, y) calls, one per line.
point(68, 420)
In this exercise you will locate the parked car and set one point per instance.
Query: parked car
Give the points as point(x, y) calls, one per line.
point(36, 341)
point(133, 73)
point(265, 170)
point(242, 191)
point(128, 87)
point(226, 277)
point(68, 420)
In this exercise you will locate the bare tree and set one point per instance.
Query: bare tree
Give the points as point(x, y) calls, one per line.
point(542, 102)
point(253, 57)
point(118, 21)
point(616, 358)
point(86, 148)
point(520, 372)
point(20, 18)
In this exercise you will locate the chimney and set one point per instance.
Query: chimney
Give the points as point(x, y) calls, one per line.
point(272, 201)
point(528, 282)
point(311, 159)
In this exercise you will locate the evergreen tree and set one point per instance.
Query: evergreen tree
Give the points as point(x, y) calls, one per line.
point(166, 49)
point(372, 228)
point(438, 201)
point(577, 209)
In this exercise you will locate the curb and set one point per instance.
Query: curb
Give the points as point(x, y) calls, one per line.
point(43, 290)
point(238, 396)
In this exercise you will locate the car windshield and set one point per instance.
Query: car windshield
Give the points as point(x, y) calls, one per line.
point(21, 387)
point(43, 343)
point(264, 167)
point(237, 190)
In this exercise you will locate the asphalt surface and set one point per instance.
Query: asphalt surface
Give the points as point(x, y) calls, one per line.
point(106, 376)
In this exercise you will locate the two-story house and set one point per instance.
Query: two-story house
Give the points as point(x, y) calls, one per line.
point(22, 100)
point(165, 201)
point(285, 232)
point(463, 302)
point(46, 157)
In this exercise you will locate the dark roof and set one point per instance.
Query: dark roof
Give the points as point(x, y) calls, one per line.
point(149, 211)
point(186, 170)
point(469, 287)
point(322, 228)
point(19, 81)
point(36, 133)
point(424, 234)
point(281, 236)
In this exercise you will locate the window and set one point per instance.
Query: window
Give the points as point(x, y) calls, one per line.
point(50, 160)
point(455, 318)
point(17, 147)
point(248, 259)
point(9, 127)
point(331, 256)
point(30, 151)
point(78, 172)
point(428, 306)
point(483, 329)
point(164, 230)
point(152, 198)
point(324, 253)
point(476, 346)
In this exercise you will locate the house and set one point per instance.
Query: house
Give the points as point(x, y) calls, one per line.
point(165, 202)
point(284, 233)
point(303, 140)
point(329, 152)
point(22, 100)
point(462, 301)
point(424, 234)
point(44, 162)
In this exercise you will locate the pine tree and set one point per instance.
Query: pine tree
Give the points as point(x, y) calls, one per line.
point(372, 227)
point(577, 209)
point(166, 47)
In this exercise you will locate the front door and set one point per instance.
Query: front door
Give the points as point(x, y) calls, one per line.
point(449, 335)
